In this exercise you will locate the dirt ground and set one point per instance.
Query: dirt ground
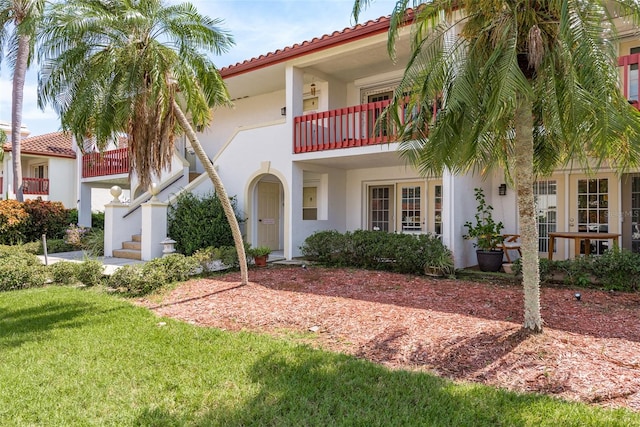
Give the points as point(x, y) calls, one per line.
point(463, 330)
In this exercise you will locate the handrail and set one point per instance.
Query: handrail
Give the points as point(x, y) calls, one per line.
point(354, 126)
point(146, 196)
point(110, 162)
point(38, 186)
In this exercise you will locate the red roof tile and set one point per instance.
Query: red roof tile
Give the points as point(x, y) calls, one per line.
point(56, 144)
point(327, 41)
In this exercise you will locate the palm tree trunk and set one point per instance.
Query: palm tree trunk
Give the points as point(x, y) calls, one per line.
point(526, 208)
point(19, 74)
point(220, 191)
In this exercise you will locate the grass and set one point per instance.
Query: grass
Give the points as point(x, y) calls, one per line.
point(82, 357)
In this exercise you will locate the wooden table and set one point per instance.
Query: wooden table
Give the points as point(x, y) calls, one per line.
point(577, 236)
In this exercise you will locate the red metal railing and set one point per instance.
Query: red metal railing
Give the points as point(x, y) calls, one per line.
point(35, 186)
point(355, 126)
point(110, 162)
point(631, 78)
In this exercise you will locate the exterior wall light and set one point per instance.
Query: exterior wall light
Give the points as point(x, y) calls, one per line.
point(502, 190)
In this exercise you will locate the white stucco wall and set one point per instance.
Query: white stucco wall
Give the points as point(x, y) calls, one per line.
point(62, 181)
point(247, 112)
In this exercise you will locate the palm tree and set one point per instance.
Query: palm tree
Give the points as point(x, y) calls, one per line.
point(18, 24)
point(138, 67)
point(524, 87)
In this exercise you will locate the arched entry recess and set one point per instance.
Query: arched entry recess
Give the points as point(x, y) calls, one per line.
point(267, 200)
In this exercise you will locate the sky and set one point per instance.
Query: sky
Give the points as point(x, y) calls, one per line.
point(257, 26)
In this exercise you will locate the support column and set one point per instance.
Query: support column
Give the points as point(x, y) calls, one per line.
point(84, 205)
point(154, 227)
point(114, 233)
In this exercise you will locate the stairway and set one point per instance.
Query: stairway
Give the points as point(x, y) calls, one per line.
point(131, 249)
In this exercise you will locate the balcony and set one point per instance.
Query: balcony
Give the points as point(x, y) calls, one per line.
point(631, 78)
point(343, 128)
point(35, 186)
point(112, 162)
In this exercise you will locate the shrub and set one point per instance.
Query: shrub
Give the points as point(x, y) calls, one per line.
point(20, 270)
point(126, 278)
point(176, 267)
point(13, 220)
point(45, 217)
point(65, 272)
point(618, 269)
point(327, 247)
point(54, 246)
point(198, 223)
point(141, 279)
point(90, 272)
point(97, 220)
point(205, 257)
point(403, 253)
point(93, 242)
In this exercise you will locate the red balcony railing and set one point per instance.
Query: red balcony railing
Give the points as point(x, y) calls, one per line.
point(112, 162)
point(38, 186)
point(631, 78)
point(355, 126)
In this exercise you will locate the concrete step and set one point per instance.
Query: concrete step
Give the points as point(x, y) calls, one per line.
point(137, 237)
point(127, 253)
point(135, 245)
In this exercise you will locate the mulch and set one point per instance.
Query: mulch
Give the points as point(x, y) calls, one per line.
point(459, 329)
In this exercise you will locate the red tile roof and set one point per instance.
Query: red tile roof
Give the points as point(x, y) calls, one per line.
point(56, 144)
point(327, 41)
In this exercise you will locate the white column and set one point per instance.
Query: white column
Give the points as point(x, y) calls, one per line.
point(154, 228)
point(84, 205)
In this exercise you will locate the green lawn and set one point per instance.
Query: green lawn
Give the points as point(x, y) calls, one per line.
point(81, 357)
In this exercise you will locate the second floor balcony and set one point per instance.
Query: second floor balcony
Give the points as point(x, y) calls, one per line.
point(35, 186)
point(354, 126)
point(630, 76)
point(111, 162)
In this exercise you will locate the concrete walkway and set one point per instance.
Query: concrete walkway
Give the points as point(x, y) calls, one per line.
point(111, 264)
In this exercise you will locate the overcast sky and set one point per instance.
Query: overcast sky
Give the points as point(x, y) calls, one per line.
point(258, 27)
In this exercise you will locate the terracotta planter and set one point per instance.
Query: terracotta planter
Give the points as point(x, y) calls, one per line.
point(489, 260)
point(260, 261)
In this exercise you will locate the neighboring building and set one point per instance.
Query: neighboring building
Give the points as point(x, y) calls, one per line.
point(45, 159)
point(300, 152)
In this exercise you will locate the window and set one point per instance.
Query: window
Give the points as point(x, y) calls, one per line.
point(380, 208)
point(376, 129)
point(39, 171)
point(310, 203)
point(593, 210)
point(437, 210)
point(405, 207)
point(411, 213)
point(546, 199)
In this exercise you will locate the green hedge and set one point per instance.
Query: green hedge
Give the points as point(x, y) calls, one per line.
point(377, 250)
point(197, 223)
point(616, 269)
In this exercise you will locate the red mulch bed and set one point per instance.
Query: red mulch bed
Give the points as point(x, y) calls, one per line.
point(463, 330)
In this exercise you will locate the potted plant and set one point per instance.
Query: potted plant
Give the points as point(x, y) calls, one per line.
point(260, 255)
point(488, 235)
